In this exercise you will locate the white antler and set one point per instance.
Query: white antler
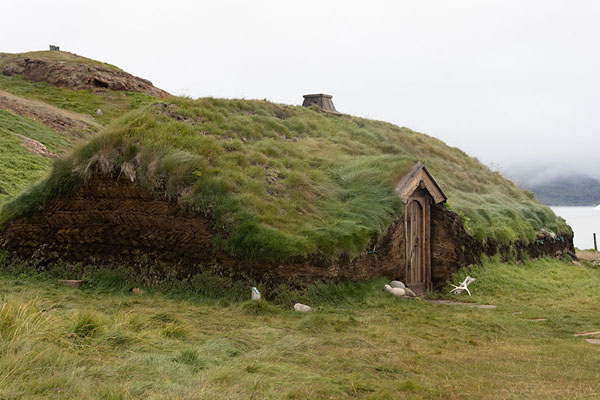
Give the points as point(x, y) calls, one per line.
point(463, 286)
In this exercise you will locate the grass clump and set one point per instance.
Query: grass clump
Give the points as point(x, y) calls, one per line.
point(260, 307)
point(288, 181)
point(173, 330)
point(87, 324)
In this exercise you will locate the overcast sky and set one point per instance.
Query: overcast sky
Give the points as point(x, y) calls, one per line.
point(513, 83)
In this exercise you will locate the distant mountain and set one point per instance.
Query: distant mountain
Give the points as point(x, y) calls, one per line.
point(573, 190)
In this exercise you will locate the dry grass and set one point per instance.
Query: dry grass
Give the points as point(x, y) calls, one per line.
point(588, 255)
point(58, 342)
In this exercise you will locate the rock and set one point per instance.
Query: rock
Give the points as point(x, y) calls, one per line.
point(387, 288)
point(397, 284)
point(398, 292)
point(37, 147)
point(71, 282)
point(302, 307)
point(80, 75)
point(410, 293)
point(99, 112)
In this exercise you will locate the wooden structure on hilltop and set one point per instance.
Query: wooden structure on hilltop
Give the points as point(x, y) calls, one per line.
point(322, 100)
point(418, 191)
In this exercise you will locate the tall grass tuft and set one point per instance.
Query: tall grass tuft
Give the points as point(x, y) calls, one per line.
point(87, 324)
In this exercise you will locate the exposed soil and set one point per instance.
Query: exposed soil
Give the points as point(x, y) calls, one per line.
point(457, 303)
point(37, 147)
point(79, 76)
point(53, 117)
point(112, 221)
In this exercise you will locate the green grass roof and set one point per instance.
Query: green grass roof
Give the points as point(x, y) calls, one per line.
point(285, 181)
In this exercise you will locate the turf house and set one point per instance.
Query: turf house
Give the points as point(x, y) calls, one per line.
point(277, 193)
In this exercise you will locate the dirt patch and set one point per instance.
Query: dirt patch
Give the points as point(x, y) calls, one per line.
point(80, 76)
point(456, 303)
point(587, 333)
point(53, 117)
point(589, 256)
point(37, 147)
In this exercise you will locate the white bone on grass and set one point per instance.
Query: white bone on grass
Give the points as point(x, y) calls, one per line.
point(463, 286)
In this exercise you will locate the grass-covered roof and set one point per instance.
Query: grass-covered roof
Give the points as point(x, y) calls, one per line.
point(284, 181)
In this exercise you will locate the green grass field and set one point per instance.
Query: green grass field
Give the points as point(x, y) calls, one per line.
point(102, 341)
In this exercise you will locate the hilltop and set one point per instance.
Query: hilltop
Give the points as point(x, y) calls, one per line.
point(51, 100)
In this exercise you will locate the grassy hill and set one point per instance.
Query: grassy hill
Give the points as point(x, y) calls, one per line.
point(285, 181)
point(56, 117)
point(105, 342)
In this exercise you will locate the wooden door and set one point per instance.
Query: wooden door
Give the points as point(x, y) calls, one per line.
point(418, 257)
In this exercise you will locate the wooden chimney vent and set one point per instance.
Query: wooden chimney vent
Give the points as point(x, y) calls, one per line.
point(322, 100)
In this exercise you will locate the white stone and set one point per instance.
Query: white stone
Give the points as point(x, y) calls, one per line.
point(398, 292)
point(397, 284)
point(302, 307)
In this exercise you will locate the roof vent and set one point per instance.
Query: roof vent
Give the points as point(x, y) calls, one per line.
point(322, 100)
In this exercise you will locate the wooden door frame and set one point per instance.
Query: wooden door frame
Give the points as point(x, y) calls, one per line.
point(424, 199)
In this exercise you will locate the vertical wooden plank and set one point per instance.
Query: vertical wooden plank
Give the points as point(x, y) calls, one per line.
point(407, 242)
point(427, 243)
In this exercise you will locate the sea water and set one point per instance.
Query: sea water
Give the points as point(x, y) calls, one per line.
point(584, 221)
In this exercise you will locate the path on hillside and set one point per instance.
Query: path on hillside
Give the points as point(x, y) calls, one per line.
point(55, 118)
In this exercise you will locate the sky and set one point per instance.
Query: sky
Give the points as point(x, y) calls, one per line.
point(514, 83)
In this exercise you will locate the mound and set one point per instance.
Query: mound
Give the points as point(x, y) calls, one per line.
point(273, 189)
point(71, 71)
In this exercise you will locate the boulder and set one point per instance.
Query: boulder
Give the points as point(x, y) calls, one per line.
point(302, 307)
point(398, 292)
point(397, 284)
